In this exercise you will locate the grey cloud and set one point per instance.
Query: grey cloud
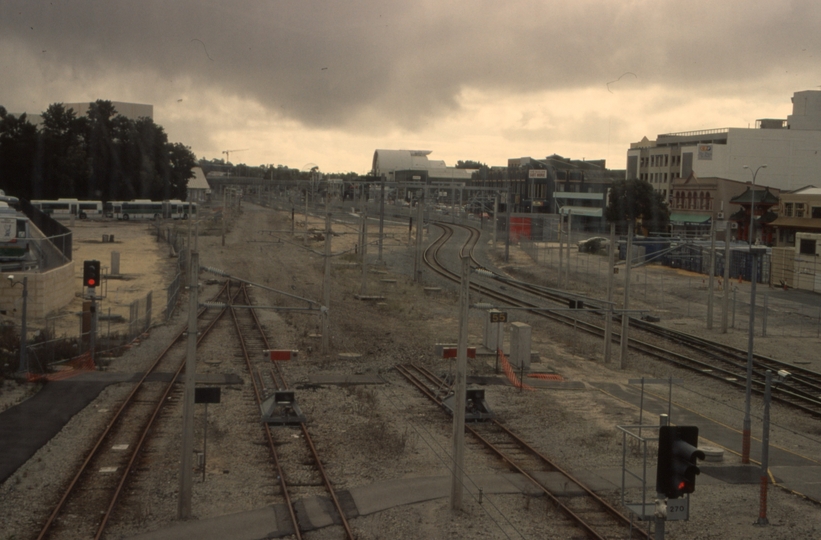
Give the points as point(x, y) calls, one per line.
point(329, 64)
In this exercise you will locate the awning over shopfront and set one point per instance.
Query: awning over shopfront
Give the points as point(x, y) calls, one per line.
point(682, 217)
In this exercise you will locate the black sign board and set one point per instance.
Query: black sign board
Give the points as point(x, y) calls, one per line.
point(207, 394)
point(498, 316)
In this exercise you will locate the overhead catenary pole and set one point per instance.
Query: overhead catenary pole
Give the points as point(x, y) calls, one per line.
point(711, 279)
point(381, 217)
point(608, 322)
point(186, 458)
point(745, 434)
point(664, 420)
point(364, 288)
point(508, 198)
point(625, 317)
point(460, 390)
point(569, 230)
point(561, 252)
point(326, 288)
point(495, 218)
point(224, 213)
point(305, 233)
point(725, 307)
point(420, 232)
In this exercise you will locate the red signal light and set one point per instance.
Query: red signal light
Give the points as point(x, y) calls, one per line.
point(92, 283)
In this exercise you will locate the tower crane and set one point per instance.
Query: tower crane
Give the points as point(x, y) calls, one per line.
point(228, 157)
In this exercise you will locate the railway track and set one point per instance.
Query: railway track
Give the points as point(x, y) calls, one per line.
point(802, 390)
point(296, 481)
point(585, 510)
point(90, 498)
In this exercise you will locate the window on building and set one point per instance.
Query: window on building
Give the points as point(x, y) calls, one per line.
point(708, 201)
point(799, 210)
point(807, 247)
point(816, 212)
point(788, 207)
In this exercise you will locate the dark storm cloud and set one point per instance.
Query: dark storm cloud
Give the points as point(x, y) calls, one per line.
point(329, 64)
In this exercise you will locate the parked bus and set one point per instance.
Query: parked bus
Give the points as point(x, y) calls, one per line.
point(145, 209)
point(70, 207)
point(14, 234)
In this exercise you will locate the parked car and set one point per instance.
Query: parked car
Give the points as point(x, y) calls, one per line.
point(596, 244)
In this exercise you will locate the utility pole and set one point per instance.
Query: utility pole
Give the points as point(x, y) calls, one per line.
point(625, 317)
point(712, 269)
point(460, 390)
point(186, 465)
point(608, 322)
point(326, 288)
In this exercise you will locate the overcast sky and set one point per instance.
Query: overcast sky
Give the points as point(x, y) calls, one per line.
point(294, 82)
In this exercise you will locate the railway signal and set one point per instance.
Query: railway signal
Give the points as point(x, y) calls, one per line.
point(91, 273)
point(677, 461)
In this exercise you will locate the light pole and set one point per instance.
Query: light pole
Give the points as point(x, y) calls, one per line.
point(23, 367)
point(745, 434)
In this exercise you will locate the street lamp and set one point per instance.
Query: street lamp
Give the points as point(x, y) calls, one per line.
point(23, 367)
point(754, 251)
point(752, 199)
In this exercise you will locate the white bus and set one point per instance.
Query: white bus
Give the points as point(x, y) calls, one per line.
point(70, 207)
point(145, 209)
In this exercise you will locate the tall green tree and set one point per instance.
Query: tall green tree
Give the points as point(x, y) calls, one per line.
point(64, 164)
point(635, 200)
point(18, 154)
point(101, 155)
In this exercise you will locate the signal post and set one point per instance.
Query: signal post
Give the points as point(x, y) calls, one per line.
point(91, 280)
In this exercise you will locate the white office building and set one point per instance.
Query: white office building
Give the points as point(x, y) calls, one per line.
point(790, 148)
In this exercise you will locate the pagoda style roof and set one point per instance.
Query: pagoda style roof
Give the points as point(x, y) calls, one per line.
point(758, 196)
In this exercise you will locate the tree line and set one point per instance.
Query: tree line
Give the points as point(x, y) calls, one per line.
point(99, 156)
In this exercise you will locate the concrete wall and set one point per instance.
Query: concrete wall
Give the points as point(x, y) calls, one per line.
point(47, 292)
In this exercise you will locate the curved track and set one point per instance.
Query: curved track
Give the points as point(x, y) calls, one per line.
point(727, 364)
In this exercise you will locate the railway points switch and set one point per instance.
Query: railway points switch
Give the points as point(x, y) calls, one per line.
point(281, 409)
point(476, 407)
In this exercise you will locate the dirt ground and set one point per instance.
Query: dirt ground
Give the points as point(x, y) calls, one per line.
point(389, 431)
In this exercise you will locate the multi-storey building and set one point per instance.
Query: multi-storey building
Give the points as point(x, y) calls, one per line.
point(790, 148)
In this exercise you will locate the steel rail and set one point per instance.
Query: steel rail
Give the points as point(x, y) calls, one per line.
point(803, 400)
point(407, 372)
point(113, 422)
point(271, 445)
point(308, 439)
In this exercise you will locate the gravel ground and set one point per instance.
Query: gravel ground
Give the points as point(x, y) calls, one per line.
point(372, 433)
